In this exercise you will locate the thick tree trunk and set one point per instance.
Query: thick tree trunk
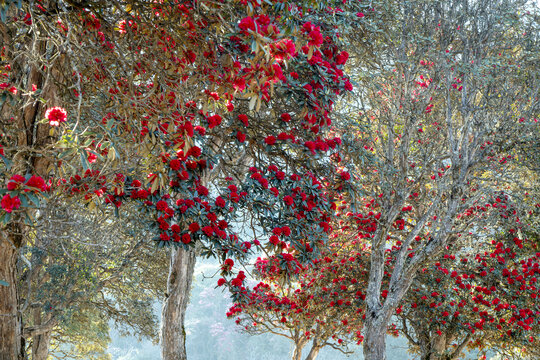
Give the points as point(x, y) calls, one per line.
point(375, 338)
point(173, 335)
point(11, 340)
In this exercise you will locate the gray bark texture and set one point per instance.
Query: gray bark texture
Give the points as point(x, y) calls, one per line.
point(297, 353)
point(375, 337)
point(313, 353)
point(173, 335)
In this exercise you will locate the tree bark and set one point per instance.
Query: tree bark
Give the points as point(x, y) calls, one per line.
point(313, 353)
point(438, 347)
point(41, 340)
point(173, 335)
point(11, 340)
point(375, 337)
point(299, 343)
point(40, 346)
point(297, 353)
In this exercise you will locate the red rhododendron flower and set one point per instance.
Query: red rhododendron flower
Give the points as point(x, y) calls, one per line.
point(345, 176)
point(342, 58)
point(229, 263)
point(186, 239)
point(241, 136)
point(220, 202)
point(213, 121)
point(288, 200)
point(208, 231)
point(236, 282)
point(56, 115)
point(10, 203)
point(15, 182)
point(36, 182)
point(194, 151)
point(239, 84)
point(202, 190)
point(161, 205)
point(194, 227)
point(175, 164)
point(222, 224)
point(247, 23)
point(270, 140)
point(286, 231)
point(221, 282)
point(286, 117)
point(283, 49)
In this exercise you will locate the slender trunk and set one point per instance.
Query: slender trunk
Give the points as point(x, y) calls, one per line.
point(438, 347)
point(40, 341)
point(40, 346)
point(375, 337)
point(173, 335)
point(313, 352)
point(297, 353)
point(299, 343)
point(11, 340)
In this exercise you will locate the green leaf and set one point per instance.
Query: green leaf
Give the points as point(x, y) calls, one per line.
point(6, 161)
point(33, 198)
point(24, 200)
point(4, 219)
point(84, 160)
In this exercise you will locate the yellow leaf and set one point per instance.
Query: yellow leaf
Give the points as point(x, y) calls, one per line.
point(252, 102)
point(111, 155)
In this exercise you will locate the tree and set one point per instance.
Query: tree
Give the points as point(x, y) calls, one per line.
point(479, 295)
point(81, 271)
point(319, 303)
point(446, 97)
point(154, 103)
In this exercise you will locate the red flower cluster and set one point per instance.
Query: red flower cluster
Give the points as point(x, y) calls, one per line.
point(10, 203)
point(56, 116)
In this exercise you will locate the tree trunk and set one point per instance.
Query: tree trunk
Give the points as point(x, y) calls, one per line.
point(11, 340)
point(313, 353)
point(299, 344)
point(375, 337)
point(297, 353)
point(40, 341)
point(40, 346)
point(438, 347)
point(173, 335)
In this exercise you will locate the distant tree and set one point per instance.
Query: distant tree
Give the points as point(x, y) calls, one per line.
point(480, 293)
point(83, 270)
point(441, 105)
point(321, 303)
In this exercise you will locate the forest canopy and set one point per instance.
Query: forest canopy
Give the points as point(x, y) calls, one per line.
point(358, 169)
